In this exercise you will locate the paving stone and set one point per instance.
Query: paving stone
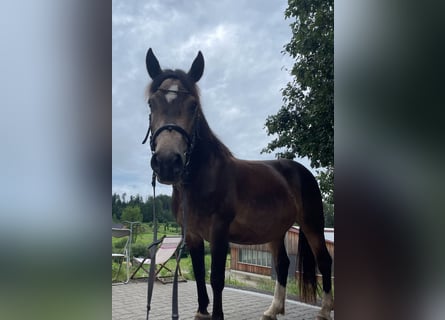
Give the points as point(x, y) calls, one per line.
point(129, 302)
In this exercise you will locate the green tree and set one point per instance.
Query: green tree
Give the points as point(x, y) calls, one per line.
point(148, 209)
point(166, 214)
point(304, 125)
point(135, 200)
point(116, 206)
point(326, 183)
point(162, 206)
point(131, 213)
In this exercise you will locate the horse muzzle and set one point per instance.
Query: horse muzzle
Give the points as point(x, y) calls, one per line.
point(168, 166)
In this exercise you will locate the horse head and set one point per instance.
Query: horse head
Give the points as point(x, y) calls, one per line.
point(175, 107)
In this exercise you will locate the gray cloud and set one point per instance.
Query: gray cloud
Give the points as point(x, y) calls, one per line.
point(241, 42)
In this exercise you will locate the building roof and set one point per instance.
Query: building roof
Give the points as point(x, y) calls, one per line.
point(328, 233)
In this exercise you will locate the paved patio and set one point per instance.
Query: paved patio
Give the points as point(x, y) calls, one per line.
point(129, 302)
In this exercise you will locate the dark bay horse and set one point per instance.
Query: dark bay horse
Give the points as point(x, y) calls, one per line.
point(231, 200)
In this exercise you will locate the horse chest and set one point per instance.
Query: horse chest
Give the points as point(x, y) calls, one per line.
point(200, 225)
point(202, 219)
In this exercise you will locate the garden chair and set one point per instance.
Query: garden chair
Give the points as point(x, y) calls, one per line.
point(168, 247)
point(124, 254)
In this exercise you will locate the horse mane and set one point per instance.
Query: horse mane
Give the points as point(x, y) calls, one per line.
point(209, 140)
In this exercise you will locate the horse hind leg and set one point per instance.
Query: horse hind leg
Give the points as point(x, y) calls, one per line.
point(324, 261)
point(312, 245)
point(281, 262)
point(327, 305)
point(317, 244)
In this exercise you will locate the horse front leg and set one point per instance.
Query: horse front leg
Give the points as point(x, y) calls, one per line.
point(196, 247)
point(219, 245)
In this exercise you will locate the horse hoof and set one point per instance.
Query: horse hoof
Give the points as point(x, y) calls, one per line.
point(323, 317)
point(265, 317)
point(202, 316)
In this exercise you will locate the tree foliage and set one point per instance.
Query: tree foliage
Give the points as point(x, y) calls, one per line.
point(304, 125)
point(125, 210)
point(132, 214)
point(326, 182)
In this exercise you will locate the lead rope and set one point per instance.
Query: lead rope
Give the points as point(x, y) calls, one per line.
point(152, 250)
point(175, 313)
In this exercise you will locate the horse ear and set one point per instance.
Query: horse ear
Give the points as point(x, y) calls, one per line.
point(152, 63)
point(197, 69)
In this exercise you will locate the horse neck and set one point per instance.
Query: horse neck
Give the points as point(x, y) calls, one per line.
point(208, 149)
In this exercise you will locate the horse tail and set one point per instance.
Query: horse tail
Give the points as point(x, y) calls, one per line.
point(307, 278)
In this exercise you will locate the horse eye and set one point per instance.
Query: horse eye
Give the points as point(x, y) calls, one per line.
point(193, 107)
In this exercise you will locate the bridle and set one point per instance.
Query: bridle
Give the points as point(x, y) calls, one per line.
point(190, 140)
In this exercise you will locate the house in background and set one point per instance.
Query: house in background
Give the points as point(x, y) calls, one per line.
point(257, 259)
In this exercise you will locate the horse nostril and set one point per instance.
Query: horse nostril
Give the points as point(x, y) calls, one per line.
point(178, 160)
point(155, 163)
point(177, 164)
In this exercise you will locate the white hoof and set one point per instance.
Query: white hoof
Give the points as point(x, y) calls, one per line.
point(323, 316)
point(201, 316)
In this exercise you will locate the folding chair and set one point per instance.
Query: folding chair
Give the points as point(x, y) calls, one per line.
point(168, 247)
point(124, 254)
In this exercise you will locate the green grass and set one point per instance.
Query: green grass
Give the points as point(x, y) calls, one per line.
point(146, 236)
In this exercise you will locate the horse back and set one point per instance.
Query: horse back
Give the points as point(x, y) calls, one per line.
point(297, 176)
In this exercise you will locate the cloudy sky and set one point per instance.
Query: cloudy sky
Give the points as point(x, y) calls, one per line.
point(241, 42)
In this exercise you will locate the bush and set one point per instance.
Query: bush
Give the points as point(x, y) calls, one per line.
point(120, 244)
point(139, 250)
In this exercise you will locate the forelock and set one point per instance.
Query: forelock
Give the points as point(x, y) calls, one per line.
point(174, 74)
